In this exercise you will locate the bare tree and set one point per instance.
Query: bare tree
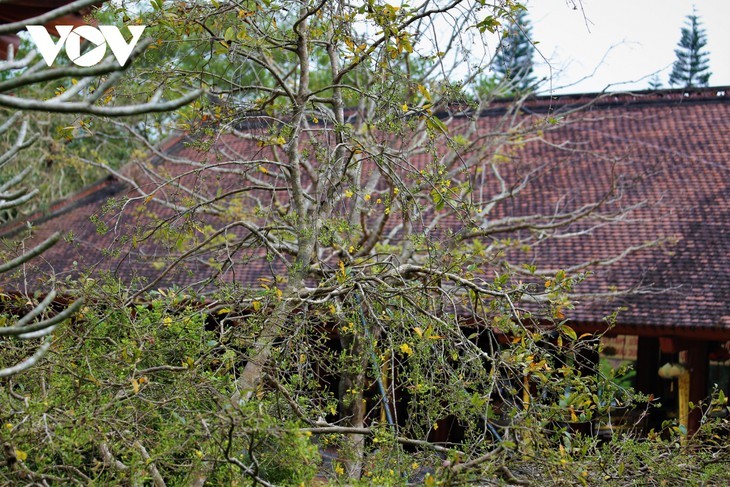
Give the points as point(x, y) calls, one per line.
point(351, 169)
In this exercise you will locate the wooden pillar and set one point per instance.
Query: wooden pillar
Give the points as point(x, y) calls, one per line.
point(697, 365)
point(683, 384)
point(647, 381)
point(647, 364)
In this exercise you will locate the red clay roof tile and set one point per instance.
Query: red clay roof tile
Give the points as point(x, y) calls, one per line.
point(670, 149)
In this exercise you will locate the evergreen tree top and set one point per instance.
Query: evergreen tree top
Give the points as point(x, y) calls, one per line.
point(692, 65)
point(513, 59)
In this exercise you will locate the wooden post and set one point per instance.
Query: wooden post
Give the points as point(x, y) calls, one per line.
point(684, 381)
point(647, 364)
point(697, 365)
point(648, 361)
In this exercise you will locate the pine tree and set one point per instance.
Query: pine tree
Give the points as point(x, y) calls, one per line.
point(691, 67)
point(655, 83)
point(513, 60)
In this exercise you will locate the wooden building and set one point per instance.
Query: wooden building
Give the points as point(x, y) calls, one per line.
point(661, 270)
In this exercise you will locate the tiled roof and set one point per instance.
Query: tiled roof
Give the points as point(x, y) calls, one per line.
point(669, 149)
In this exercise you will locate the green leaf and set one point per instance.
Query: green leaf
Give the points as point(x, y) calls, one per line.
point(489, 23)
point(438, 200)
point(569, 332)
point(435, 124)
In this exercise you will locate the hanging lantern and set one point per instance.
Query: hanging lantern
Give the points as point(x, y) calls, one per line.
point(671, 371)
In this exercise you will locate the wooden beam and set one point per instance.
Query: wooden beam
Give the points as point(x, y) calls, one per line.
point(719, 334)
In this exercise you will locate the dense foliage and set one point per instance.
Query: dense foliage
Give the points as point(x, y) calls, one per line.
point(131, 395)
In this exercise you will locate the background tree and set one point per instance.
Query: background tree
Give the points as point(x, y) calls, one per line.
point(692, 65)
point(513, 61)
point(655, 83)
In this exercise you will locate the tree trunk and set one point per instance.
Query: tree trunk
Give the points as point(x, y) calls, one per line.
point(353, 406)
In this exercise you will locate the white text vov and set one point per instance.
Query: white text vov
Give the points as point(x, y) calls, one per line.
point(101, 37)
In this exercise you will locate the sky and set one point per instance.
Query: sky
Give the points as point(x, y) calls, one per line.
point(617, 45)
